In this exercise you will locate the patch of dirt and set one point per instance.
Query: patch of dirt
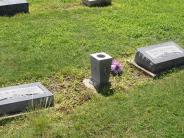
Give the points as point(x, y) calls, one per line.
point(69, 91)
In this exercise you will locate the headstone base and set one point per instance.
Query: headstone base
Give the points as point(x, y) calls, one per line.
point(97, 89)
point(143, 69)
point(89, 84)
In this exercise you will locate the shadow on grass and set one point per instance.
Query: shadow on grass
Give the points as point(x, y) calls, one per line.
point(169, 71)
point(106, 90)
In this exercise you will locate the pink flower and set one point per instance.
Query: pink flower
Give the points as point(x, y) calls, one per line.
point(116, 68)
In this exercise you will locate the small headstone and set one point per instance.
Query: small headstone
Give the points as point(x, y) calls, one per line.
point(92, 3)
point(22, 97)
point(161, 57)
point(12, 7)
point(100, 69)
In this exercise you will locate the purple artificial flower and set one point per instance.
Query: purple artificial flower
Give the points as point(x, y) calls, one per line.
point(116, 68)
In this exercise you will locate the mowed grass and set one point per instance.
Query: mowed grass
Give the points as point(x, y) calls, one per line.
point(52, 45)
point(155, 110)
point(58, 36)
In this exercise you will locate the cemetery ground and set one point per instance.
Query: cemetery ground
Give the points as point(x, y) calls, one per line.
point(52, 45)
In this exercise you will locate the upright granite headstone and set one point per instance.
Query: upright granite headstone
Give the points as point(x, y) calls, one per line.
point(11, 7)
point(22, 97)
point(100, 69)
point(92, 3)
point(161, 57)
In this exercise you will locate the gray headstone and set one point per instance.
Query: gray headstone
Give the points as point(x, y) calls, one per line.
point(11, 7)
point(161, 57)
point(92, 3)
point(100, 69)
point(22, 97)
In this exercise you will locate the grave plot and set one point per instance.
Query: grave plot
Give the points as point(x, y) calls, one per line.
point(24, 97)
point(161, 57)
point(12, 7)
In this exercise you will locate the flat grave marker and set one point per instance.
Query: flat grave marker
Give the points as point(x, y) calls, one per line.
point(22, 97)
point(161, 57)
point(92, 3)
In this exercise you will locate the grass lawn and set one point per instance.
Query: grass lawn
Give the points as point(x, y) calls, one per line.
point(52, 45)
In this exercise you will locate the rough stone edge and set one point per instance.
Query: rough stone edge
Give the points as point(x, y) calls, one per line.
point(143, 69)
point(88, 84)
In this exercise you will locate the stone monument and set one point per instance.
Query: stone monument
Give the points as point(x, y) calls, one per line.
point(12, 7)
point(100, 70)
point(22, 97)
point(161, 57)
point(92, 3)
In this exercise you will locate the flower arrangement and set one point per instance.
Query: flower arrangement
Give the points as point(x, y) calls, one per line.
point(116, 68)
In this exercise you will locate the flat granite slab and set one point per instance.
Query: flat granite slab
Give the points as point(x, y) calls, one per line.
point(93, 3)
point(161, 57)
point(24, 97)
point(12, 7)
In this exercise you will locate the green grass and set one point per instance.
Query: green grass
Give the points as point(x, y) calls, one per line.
point(52, 45)
point(57, 36)
point(155, 110)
